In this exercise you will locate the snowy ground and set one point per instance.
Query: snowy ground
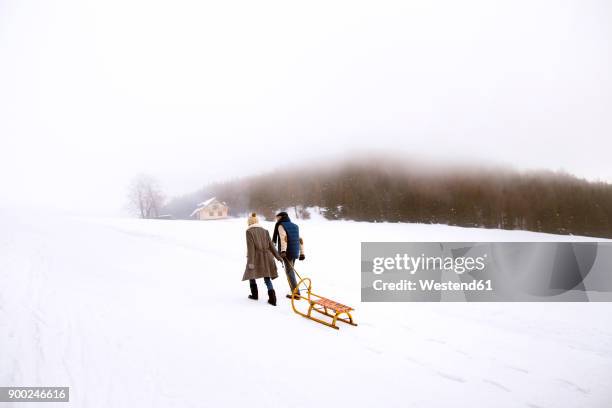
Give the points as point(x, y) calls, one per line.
point(133, 313)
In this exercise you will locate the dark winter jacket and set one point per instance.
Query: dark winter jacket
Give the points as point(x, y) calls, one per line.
point(292, 232)
point(260, 254)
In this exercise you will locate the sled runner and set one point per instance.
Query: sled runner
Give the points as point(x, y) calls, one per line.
point(320, 304)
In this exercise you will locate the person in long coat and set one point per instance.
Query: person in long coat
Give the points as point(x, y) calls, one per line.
point(260, 259)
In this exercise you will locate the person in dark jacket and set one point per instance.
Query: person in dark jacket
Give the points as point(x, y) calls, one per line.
point(291, 247)
point(260, 259)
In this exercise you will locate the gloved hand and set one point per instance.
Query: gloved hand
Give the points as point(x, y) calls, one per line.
point(284, 255)
point(302, 257)
point(251, 266)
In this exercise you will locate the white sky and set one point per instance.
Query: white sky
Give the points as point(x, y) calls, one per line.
point(94, 92)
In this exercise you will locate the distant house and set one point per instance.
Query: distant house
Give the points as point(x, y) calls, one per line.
point(211, 209)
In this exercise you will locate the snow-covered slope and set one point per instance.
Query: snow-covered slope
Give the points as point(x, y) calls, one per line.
point(135, 313)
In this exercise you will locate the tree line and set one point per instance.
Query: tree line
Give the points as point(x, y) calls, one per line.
point(384, 189)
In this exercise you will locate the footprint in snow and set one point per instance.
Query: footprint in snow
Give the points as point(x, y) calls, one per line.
point(415, 361)
point(496, 384)
point(374, 350)
point(519, 369)
point(450, 377)
point(573, 386)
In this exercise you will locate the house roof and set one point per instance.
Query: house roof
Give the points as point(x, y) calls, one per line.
point(205, 203)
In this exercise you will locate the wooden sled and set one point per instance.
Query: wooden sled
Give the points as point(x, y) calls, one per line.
point(321, 305)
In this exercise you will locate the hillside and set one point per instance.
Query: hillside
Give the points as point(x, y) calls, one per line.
point(393, 189)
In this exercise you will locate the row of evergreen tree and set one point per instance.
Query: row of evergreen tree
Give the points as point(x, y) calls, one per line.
point(385, 189)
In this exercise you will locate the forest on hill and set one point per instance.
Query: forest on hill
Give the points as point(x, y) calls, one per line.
point(382, 189)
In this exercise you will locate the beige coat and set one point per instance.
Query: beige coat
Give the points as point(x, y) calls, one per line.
point(260, 254)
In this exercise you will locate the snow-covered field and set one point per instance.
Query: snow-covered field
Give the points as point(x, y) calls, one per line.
point(141, 313)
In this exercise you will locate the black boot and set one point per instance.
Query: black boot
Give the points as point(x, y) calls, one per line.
point(272, 297)
point(296, 296)
point(254, 295)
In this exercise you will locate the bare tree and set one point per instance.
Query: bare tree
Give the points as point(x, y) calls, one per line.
point(145, 196)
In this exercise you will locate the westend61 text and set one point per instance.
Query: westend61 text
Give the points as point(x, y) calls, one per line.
point(432, 285)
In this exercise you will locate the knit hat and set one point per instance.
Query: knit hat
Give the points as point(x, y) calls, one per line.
point(253, 219)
